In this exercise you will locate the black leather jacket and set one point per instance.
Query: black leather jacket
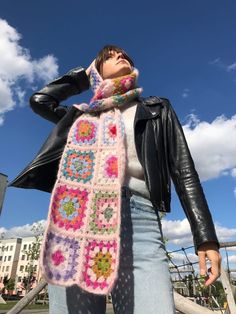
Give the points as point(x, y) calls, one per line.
point(160, 143)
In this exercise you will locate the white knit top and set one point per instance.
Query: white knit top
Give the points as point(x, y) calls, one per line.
point(134, 176)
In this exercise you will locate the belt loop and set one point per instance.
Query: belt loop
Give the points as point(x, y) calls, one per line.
point(126, 192)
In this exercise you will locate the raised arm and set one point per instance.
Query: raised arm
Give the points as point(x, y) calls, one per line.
point(46, 102)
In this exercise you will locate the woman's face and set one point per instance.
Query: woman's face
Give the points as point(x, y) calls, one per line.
point(114, 66)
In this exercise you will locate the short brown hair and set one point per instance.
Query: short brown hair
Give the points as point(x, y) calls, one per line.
point(105, 52)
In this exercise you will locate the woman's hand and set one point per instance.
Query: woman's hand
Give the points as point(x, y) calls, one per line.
point(210, 251)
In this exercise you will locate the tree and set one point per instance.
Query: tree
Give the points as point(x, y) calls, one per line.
point(33, 255)
point(5, 280)
point(27, 282)
point(10, 285)
point(219, 292)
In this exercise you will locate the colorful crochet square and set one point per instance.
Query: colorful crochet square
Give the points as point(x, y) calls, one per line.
point(60, 257)
point(108, 168)
point(104, 213)
point(99, 263)
point(109, 136)
point(95, 80)
point(84, 132)
point(78, 165)
point(69, 207)
point(111, 167)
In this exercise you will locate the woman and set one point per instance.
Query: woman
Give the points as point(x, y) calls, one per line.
point(108, 164)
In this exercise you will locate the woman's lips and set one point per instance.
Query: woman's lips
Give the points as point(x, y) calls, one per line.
point(122, 61)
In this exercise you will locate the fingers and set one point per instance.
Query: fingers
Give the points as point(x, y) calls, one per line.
point(202, 263)
point(214, 270)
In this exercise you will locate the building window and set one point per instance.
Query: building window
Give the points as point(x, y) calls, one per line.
point(0, 279)
point(11, 248)
point(6, 248)
point(3, 248)
point(3, 267)
point(25, 247)
point(9, 258)
point(23, 257)
point(29, 246)
point(0, 258)
point(35, 267)
point(19, 279)
point(7, 268)
point(21, 268)
point(5, 258)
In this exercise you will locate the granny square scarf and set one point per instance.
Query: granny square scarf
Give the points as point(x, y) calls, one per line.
point(82, 238)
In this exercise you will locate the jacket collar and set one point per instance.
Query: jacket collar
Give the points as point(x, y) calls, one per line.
point(148, 108)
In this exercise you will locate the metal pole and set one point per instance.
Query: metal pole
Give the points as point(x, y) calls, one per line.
point(3, 186)
point(227, 244)
point(186, 306)
point(27, 298)
point(228, 290)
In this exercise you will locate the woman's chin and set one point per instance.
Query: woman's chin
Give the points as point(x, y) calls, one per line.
point(123, 72)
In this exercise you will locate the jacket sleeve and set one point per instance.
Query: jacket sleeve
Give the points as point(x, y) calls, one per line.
point(46, 101)
point(187, 183)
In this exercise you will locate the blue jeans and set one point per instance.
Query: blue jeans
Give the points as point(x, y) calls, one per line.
point(143, 284)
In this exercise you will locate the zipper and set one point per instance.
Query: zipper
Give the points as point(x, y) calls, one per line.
point(157, 153)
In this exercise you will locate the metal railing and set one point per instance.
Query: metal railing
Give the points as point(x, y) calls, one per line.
point(182, 304)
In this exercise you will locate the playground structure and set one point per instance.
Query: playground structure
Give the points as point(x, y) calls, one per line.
point(183, 304)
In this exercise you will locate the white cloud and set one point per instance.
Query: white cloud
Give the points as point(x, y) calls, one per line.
point(215, 61)
point(218, 63)
point(45, 68)
point(231, 67)
point(20, 231)
point(185, 93)
point(232, 248)
point(231, 259)
point(17, 68)
point(225, 234)
point(180, 258)
point(233, 172)
point(211, 145)
point(178, 232)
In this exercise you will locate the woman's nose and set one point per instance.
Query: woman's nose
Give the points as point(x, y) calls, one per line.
point(119, 55)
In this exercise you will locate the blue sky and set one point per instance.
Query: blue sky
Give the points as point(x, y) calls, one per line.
point(185, 51)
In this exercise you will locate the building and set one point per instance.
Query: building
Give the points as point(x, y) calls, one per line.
point(9, 257)
point(14, 261)
point(23, 264)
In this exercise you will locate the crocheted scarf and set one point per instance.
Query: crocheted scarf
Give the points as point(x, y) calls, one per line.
point(82, 239)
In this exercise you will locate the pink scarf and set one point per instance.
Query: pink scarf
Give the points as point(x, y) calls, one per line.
point(82, 239)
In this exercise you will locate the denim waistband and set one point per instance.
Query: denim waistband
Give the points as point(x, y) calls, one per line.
point(127, 192)
point(138, 199)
